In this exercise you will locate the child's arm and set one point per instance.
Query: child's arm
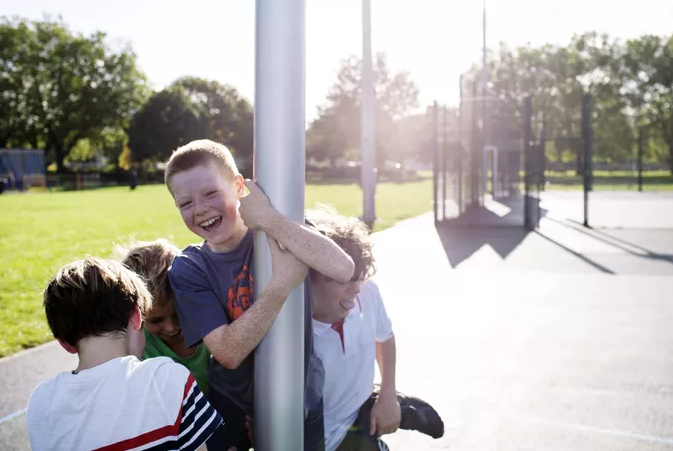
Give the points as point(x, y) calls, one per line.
point(308, 245)
point(231, 343)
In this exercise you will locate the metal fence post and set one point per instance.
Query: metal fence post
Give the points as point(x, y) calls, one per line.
point(587, 136)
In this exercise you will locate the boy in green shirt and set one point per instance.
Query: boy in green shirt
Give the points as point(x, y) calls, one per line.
point(163, 334)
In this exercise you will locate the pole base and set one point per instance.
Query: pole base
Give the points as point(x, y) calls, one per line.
point(369, 224)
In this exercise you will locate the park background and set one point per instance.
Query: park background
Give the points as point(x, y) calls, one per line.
point(107, 95)
point(544, 334)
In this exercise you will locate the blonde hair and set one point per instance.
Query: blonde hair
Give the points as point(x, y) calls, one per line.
point(93, 297)
point(151, 261)
point(198, 153)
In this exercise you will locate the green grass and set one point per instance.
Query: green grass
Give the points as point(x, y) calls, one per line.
point(39, 232)
point(612, 181)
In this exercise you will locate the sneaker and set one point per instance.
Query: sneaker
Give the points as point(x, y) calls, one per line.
point(418, 415)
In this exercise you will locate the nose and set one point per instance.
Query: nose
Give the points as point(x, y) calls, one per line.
point(353, 288)
point(199, 207)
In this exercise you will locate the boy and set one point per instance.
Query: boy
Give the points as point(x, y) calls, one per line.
point(214, 285)
point(112, 400)
point(352, 331)
point(163, 333)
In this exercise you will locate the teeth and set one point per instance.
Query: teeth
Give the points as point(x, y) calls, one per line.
point(208, 222)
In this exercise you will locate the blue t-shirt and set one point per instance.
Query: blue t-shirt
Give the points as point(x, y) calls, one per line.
point(212, 289)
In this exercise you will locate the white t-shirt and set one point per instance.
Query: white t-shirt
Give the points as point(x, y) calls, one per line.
point(123, 404)
point(349, 360)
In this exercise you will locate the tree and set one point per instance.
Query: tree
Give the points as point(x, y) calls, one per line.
point(229, 115)
point(647, 80)
point(60, 87)
point(337, 128)
point(168, 120)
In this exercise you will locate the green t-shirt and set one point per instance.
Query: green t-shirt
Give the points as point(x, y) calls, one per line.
point(197, 363)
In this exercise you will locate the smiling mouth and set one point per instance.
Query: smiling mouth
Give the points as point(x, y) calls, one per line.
point(210, 224)
point(174, 335)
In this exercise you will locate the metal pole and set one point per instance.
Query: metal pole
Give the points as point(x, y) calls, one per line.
point(474, 148)
point(279, 168)
point(435, 161)
point(495, 173)
point(484, 69)
point(484, 107)
point(461, 151)
point(368, 120)
point(445, 147)
point(527, 163)
point(543, 157)
point(640, 159)
point(587, 151)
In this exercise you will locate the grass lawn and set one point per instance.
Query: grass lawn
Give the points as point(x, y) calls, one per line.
point(612, 181)
point(39, 232)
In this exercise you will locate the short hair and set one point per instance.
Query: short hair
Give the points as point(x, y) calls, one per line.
point(350, 234)
point(93, 297)
point(151, 261)
point(198, 153)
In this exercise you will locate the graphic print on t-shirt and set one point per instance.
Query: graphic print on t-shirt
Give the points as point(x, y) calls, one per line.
point(239, 298)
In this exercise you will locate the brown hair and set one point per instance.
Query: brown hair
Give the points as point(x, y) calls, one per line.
point(197, 153)
point(350, 234)
point(151, 260)
point(93, 297)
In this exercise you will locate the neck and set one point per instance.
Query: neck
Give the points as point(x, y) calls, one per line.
point(327, 319)
point(181, 350)
point(94, 351)
point(233, 242)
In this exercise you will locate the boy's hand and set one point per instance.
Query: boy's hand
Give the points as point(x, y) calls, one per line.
point(288, 271)
point(386, 415)
point(255, 209)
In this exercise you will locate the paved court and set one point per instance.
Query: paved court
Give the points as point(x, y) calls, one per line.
point(558, 339)
point(525, 345)
point(607, 210)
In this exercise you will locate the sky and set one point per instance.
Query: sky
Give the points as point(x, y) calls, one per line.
point(434, 40)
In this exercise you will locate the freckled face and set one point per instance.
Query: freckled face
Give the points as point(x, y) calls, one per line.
point(208, 202)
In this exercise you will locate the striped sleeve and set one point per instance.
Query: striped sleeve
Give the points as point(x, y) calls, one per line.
point(196, 422)
point(198, 419)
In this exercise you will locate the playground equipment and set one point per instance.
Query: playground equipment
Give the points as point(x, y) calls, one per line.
point(482, 145)
point(494, 144)
point(22, 168)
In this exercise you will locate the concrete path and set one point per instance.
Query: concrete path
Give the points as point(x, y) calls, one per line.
point(558, 340)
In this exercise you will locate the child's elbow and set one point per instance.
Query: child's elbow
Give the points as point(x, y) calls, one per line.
point(229, 361)
point(232, 362)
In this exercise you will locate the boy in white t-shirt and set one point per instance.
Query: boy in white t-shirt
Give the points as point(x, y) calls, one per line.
point(352, 331)
point(112, 400)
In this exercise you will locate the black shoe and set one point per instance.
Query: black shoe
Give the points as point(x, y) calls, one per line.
point(418, 415)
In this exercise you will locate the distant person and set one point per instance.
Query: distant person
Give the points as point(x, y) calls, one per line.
point(112, 400)
point(214, 286)
point(133, 179)
point(352, 332)
point(163, 333)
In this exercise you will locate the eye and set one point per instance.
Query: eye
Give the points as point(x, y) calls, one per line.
point(211, 193)
point(155, 320)
point(185, 204)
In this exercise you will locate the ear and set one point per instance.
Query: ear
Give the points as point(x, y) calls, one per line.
point(239, 184)
point(68, 347)
point(136, 319)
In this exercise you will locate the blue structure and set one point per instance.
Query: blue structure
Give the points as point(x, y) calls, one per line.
point(16, 163)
